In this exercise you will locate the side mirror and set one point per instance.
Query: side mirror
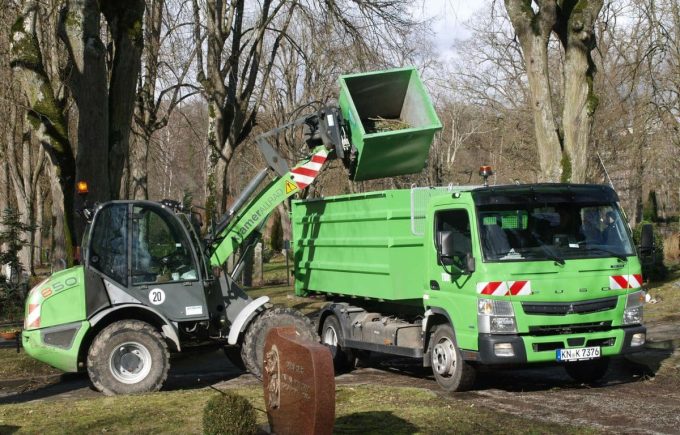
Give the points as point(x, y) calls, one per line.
point(470, 262)
point(448, 256)
point(445, 247)
point(647, 239)
point(647, 242)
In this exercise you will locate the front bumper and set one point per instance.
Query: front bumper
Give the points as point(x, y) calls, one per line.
point(536, 349)
point(57, 346)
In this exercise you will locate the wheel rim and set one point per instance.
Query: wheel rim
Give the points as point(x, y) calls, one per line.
point(130, 362)
point(330, 337)
point(444, 357)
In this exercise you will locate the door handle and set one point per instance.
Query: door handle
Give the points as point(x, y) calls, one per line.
point(434, 285)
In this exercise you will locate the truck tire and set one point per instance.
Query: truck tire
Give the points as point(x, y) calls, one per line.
point(331, 335)
point(450, 371)
point(128, 357)
point(587, 371)
point(252, 349)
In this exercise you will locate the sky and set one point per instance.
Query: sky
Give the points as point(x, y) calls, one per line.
point(448, 18)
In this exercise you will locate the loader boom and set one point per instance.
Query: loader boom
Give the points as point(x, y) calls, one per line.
point(253, 215)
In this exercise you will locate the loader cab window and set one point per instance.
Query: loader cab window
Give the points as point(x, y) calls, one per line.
point(160, 251)
point(453, 227)
point(107, 251)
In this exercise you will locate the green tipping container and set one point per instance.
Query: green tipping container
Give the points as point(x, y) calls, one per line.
point(391, 119)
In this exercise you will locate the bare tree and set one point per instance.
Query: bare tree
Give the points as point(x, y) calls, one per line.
point(562, 156)
point(166, 64)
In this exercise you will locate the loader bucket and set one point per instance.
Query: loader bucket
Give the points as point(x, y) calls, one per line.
point(391, 122)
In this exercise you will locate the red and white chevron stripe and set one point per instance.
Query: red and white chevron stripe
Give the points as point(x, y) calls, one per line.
point(504, 288)
point(618, 282)
point(305, 174)
point(33, 316)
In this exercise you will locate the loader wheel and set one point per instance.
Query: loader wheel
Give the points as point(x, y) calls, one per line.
point(587, 371)
point(331, 335)
point(128, 357)
point(252, 349)
point(450, 371)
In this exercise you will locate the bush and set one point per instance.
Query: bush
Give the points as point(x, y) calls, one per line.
point(653, 268)
point(228, 413)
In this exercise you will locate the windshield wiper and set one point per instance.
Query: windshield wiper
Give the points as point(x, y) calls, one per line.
point(608, 251)
point(550, 253)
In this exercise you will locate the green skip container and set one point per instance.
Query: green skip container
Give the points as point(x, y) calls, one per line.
point(391, 119)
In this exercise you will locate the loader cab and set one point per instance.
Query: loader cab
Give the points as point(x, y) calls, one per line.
point(146, 253)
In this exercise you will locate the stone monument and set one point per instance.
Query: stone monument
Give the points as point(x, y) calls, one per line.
point(299, 384)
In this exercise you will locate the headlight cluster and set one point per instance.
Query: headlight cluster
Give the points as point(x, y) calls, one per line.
point(632, 315)
point(495, 317)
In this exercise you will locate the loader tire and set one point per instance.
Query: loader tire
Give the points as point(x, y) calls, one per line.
point(252, 349)
point(128, 357)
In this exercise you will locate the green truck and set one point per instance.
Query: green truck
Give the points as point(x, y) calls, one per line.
point(462, 277)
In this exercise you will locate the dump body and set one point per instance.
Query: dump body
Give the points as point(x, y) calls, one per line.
point(359, 245)
point(391, 122)
point(557, 287)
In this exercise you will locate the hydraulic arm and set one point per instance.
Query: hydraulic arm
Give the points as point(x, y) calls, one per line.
point(325, 139)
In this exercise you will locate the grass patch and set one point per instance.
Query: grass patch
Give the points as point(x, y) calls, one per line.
point(667, 295)
point(15, 365)
point(359, 409)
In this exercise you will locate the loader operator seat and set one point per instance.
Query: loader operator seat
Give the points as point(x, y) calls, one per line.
point(160, 250)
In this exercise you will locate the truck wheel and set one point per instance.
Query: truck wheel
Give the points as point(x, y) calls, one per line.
point(252, 349)
point(587, 371)
point(331, 335)
point(450, 371)
point(128, 357)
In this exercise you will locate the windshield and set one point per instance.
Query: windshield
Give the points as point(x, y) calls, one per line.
point(553, 231)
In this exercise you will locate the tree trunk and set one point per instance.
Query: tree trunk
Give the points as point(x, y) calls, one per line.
point(46, 117)
point(578, 38)
point(533, 30)
point(62, 221)
point(39, 221)
point(80, 31)
point(139, 168)
point(125, 23)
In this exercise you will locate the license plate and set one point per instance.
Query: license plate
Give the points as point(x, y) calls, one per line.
point(579, 354)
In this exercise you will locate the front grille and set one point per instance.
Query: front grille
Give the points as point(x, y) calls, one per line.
point(577, 328)
point(542, 347)
point(602, 342)
point(563, 308)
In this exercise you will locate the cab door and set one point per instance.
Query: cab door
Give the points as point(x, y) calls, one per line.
point(452, 277)
point(164, 271)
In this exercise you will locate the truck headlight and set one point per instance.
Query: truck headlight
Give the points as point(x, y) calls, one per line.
point(495, 317)
point(632, 315)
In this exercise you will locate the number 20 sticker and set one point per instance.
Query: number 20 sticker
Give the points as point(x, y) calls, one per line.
point(157, 296)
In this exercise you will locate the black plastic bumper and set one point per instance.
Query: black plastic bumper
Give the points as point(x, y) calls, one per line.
point(628, 336)
point(487, 356)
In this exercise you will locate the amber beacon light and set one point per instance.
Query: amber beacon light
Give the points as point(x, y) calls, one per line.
point(485, 172)
point(81, 188)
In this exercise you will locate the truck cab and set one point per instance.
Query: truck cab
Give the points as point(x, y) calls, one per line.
point(554, 276)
